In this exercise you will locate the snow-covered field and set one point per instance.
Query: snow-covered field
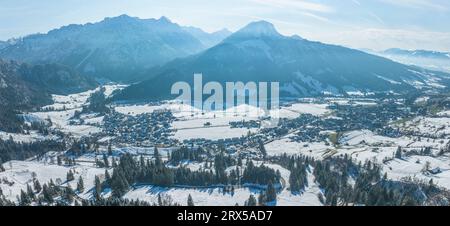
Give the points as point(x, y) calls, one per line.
point(61, 121)
point(17, 137)
point(308, 108)
point(364, 145)
point(191, 122)
point(109, 89)
point(309, 197)
point(201, 196)
point(414, 166)
point(20, 173)
point(60, 113)
point(285, 145)
point(136, 109)
point(142, 151)
point(64, 108)
point(436, 126)
point(215, 196)
point(368, 137)
point(444, 113)
point(297, 109)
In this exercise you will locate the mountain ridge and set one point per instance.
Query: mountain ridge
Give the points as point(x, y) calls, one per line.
point(25, 87)
point(428, 59)
point(418, 53)
point(258, 52)
point(116, 48)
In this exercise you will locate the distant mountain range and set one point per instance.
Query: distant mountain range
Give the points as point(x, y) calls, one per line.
point(428, 59)
point(208, 39)
point(258, 52)
point(418, 53)
point(155, 53)
point(116, 48)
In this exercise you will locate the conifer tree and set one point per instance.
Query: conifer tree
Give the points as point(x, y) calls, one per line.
point(251, 201)
point(119, 184)
point(262, 199)
point(24, 199)
point(239, 163)
point(160, 203)
point(59, 160)
point(30, 192)
point(97, 188)
point(271, 193)
point(37, 186)
point(107, 178)
point(48, 196)
point(157, 157)
point(80, 185)
point(262, 149)
point(105, 160)
point(190, 202)
point(2, 169)
point(69, 194)
point(109, 149)
point(114, 163)
point(398, 153)
point(70, 176)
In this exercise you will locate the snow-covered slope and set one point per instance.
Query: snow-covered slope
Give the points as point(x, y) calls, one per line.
point(258, 53)
point(116, 48)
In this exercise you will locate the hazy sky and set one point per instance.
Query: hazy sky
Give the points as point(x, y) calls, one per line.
point(375, 24)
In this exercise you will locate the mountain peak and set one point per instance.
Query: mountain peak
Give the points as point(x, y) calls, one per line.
point(120, 17)
point(164, 19)
point(124, 16)
point(257, 29)
point(297, 37)
point(261, 28)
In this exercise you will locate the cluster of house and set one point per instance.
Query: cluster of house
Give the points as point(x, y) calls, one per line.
point(155, 128)
point(246, 124)
point(371, 117)
point(147, 129)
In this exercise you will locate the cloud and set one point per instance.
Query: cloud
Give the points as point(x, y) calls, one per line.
point(317, 17)
point(376, 17)
point(420, 4)
point(356, 2)
point(302, 7)
point(296, 4)
point(380, 39)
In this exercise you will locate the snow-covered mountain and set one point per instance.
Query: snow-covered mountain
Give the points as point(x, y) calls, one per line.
point(208, 39)
point(258, 52)
point(418, 53)
point(432, 60)
point(3, 44)
point(116, 48)
point(256, 30)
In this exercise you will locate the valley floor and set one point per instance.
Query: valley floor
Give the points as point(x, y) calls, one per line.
point(192, 127)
